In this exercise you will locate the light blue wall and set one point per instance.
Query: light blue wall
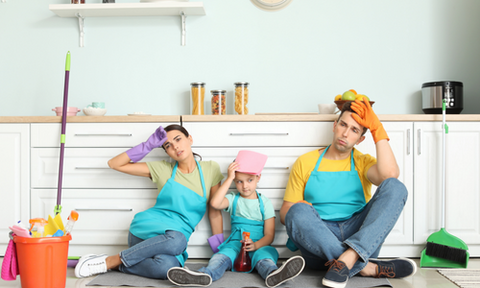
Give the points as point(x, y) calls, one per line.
point(295, 58)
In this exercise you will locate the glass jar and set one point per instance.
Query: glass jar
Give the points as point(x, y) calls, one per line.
point(197, 98)
point(241, 98)
point(219, 104)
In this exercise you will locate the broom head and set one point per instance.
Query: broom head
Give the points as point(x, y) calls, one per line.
point(444, 250)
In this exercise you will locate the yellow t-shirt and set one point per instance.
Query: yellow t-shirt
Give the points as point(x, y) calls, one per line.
point(305, 164)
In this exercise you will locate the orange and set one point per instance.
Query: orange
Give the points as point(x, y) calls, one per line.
point(354, 92)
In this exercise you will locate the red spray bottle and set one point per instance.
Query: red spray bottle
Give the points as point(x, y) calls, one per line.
point(243, 263)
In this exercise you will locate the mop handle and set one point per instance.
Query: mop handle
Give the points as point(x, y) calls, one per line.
point(444, 132)
point(58, 208)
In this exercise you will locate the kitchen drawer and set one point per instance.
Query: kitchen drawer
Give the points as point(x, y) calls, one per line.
point(104, 214)
point(85, 168)
point(254, 134)
point(276, 171)
point(93, 134)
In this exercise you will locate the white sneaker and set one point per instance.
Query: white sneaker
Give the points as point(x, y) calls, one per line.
point(184, 277)
point(289, 270)
point(91, 264)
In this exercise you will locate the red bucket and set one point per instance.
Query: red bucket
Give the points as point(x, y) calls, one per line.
point(42, 262)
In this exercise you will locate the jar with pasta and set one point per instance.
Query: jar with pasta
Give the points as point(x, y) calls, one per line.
point(241, 98)
point(197, 98)
point(219, 106)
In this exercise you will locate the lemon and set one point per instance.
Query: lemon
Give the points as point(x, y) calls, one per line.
point(361, 96)
point(338, 97)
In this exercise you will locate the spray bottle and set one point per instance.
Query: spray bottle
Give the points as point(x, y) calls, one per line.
point(37, 225)
point(243, 263)
point(72, 218)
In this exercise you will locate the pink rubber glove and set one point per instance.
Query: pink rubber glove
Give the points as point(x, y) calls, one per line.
point(215, 241)
point(154, 141)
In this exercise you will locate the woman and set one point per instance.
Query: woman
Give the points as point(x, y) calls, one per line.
point(158, 236)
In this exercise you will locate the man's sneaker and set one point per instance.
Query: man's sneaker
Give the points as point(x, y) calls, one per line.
point(184, 277)
point(397, 268)
point(337, 274)
point(289, 270)
point(91, 264)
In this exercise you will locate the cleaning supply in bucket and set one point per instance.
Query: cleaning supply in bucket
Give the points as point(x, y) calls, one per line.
point(20, 230)
point(72, 219)
point(37, 227)
point(243, 262)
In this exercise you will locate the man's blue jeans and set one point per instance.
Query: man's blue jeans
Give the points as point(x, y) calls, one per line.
point(219, 263)
point(320, 240)
point(153, 257)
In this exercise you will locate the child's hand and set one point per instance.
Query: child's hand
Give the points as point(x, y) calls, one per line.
point(231, 170)
point(250, 245)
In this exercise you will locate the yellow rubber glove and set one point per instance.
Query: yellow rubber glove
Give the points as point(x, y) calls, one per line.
point(367, 118)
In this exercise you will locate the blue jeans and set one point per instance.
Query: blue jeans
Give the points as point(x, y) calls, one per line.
point(364, 232)
point(153, 257)
point(219, 263)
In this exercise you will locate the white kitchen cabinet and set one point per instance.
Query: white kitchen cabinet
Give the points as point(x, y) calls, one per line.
point(462, 181)
point(14, 179)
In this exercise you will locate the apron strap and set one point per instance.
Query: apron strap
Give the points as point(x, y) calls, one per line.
point(235, 200)
point(352, 163)
point(174, 172)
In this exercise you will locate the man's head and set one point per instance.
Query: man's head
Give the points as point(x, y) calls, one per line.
point(347, 132)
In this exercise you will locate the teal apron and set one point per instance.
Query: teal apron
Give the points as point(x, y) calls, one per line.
point(178, 208)
point(335, 195)
point(231, 246)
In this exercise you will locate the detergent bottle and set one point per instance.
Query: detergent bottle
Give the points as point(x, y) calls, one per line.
point(243, 263)
point(72, 219)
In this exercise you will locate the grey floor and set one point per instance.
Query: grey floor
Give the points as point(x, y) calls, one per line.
point(425, 278)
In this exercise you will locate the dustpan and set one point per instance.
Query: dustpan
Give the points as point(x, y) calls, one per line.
point(444, 250)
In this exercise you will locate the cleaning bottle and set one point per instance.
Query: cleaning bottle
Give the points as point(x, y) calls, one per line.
point(243, 263)
point(37, 225)
point(72, 218)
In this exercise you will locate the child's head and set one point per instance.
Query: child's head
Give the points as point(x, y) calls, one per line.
point(248, 173)
point(247, 184)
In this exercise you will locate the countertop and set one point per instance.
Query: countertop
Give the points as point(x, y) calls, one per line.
point(233, 118)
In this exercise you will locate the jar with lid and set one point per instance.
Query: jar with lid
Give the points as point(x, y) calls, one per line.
point(241, 98)
point(219, 104)
point(197, 98)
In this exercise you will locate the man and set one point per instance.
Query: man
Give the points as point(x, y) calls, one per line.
point(328, 209)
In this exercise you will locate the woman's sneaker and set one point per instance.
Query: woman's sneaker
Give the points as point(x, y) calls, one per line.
point(289, 270)
point(91, 264)
point(185, 277)
point(337, 274)
point(397, 268)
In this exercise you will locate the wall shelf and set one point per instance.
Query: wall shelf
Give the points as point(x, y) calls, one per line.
point(81, 11)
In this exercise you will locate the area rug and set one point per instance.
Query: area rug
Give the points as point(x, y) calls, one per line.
point(308, 279)
point(465, 278)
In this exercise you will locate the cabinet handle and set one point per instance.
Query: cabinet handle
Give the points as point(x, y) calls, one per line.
point(125, 135)
point(87, 168)
point(408, 141)
point(258, 134)
point(104, 209)
point(277, 168)
point(419, 134)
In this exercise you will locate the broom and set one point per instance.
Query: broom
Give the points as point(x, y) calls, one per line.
point(443, 249)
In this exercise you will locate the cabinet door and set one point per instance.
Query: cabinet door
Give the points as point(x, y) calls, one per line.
point(14, 180)
point(462, 158)
point(401, 142)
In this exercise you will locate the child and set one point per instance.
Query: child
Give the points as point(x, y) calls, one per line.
point(250, 212)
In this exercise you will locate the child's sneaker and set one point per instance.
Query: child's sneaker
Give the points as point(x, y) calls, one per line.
point(337, 274)
point(289, 270)
point(184, 277)
point(91, 264)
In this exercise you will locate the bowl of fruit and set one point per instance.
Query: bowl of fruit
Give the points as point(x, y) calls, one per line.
point(349, 96)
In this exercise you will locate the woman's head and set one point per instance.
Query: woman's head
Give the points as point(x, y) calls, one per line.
point(179, 143)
